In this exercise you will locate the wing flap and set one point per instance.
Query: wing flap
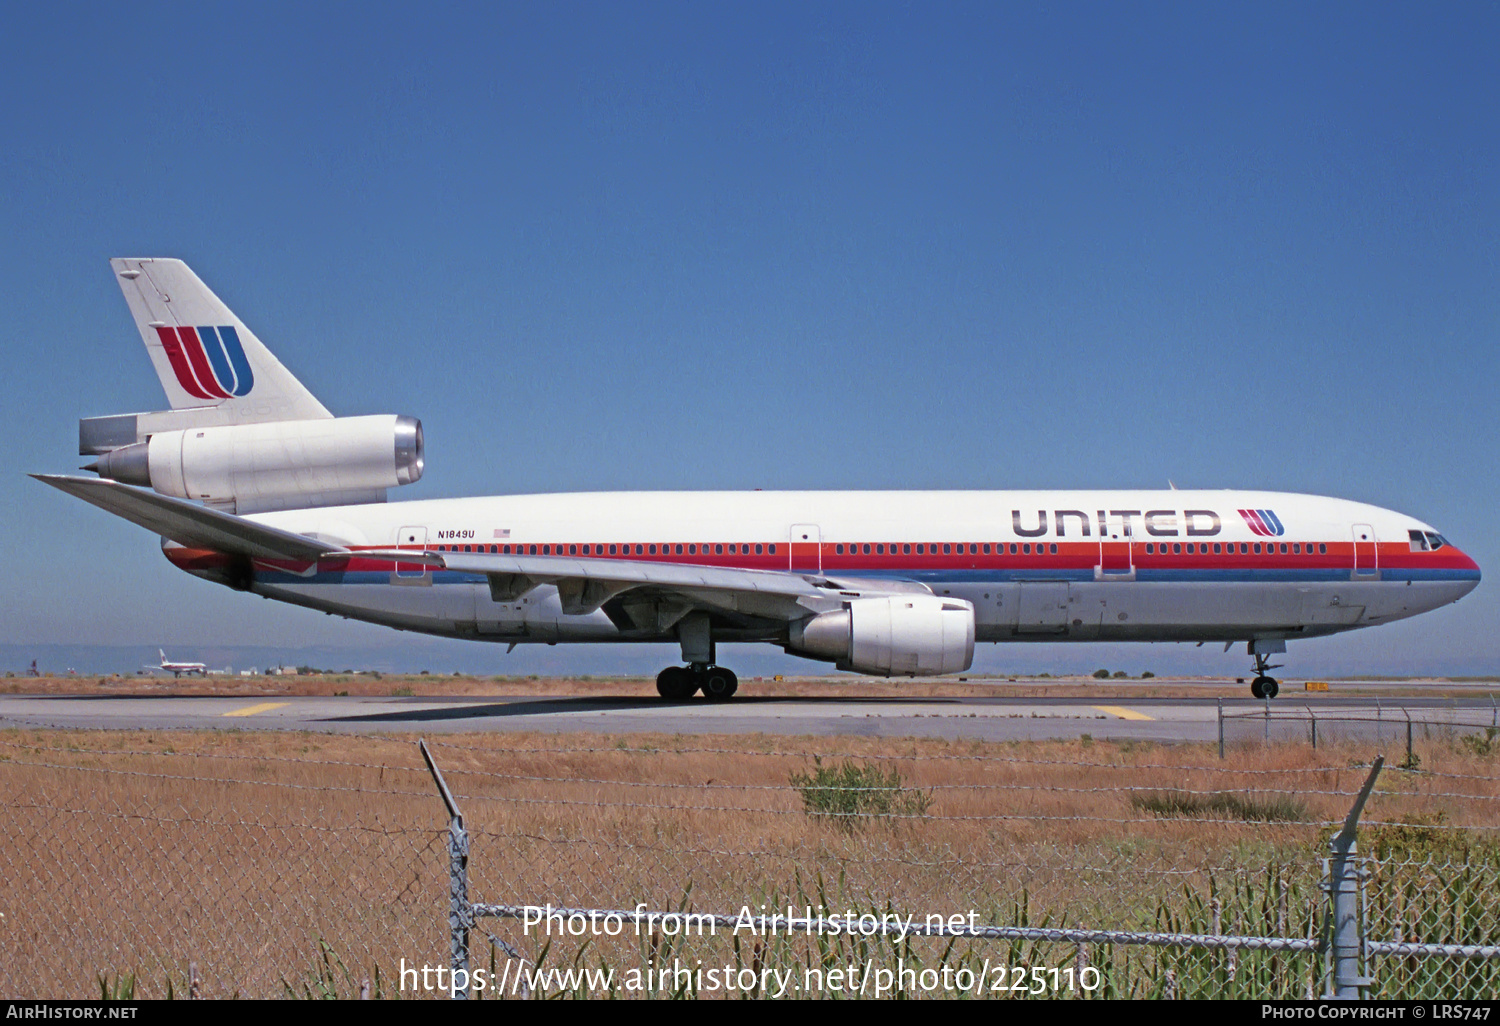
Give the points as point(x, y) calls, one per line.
point(188, 523)
point(584, 585)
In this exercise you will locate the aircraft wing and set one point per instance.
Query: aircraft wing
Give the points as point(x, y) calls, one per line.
point(584, 585)
point(188, 523)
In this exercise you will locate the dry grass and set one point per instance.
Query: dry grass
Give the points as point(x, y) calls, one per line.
point(144, 851)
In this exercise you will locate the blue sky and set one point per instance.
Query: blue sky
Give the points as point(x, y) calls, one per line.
point(637, 246)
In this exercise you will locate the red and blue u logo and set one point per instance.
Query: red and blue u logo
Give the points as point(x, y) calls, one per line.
point(209, 362)
point(1263, 522)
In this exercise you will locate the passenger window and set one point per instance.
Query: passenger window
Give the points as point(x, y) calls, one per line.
point(906, 548)
point(947, 549)
point(1054, 548)
point(1245, 548)
point(1257, 548)
point(1012, 548)
point(867, 548)
point(1026, 548)
point(986, 548)
point(838, 550)
point(757, 550)
point(1217, 548)
point(719, 550)
point(1177, 548)
point(771, 549)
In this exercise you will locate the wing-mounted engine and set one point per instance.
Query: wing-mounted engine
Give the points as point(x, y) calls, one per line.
point(900, 635)
point(295, 464)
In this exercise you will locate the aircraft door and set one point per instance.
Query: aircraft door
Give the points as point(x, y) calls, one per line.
point(406, 538)
point(1366, 556)
point(806, 548)
point(1116, 554)
point(1043, 607)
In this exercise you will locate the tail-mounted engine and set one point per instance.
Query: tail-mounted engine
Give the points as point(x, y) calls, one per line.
point(295, 464)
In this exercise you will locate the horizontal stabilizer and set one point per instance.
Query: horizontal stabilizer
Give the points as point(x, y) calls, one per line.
point(188, 523)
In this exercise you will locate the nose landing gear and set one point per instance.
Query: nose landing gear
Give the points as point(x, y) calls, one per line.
point(1264, 685)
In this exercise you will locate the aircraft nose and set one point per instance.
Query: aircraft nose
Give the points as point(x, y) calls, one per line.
point(1464, 562)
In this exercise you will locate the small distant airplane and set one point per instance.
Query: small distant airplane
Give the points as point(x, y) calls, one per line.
point(178, 669)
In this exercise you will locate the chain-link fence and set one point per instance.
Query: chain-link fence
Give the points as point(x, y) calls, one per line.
point(140, 869)
point(1404, 731)
point(268, 865)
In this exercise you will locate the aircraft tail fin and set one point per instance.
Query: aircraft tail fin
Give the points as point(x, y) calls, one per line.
point(204, 355)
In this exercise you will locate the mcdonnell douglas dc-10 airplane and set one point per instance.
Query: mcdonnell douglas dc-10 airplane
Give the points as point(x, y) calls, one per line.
point(253, 484)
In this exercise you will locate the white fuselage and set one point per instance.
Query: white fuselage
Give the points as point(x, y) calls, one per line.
point(1043, 566)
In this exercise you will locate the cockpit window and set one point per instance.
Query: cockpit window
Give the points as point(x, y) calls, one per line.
point(1436, 540)
point(1418, 541)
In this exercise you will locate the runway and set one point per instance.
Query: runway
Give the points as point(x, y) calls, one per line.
point(980, 717)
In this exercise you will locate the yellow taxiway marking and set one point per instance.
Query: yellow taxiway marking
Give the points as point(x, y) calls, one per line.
point(1123, 713)
point(252, 710)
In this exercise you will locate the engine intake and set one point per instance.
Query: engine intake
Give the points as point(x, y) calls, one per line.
point(904, 635)
point(249, 468)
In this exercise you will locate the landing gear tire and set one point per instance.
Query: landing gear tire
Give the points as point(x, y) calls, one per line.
point(718, 684)
point(676, 683)
point(1264, 685)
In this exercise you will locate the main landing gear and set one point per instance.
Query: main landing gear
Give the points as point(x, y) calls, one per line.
point(678, 683)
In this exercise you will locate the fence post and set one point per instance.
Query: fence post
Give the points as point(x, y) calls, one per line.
point(1268, 722)
point(1345, 934)
point(1314, 717)
point(1409, 763)
point(1221, 728)
point(460, 915)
